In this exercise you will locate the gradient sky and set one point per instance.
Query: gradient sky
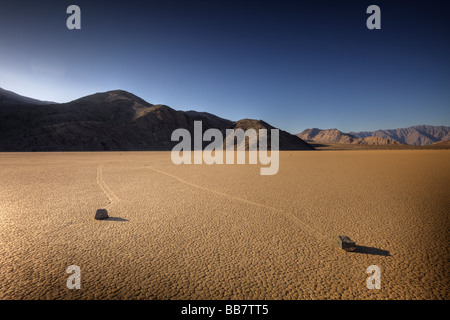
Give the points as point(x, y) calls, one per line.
point(294, 64)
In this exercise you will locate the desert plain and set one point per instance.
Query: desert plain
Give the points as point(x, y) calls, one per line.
point(225, 231)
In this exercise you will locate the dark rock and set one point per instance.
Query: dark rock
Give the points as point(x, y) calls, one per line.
point(345, 243)
point(101, 214)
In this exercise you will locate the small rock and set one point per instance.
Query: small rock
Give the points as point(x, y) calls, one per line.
point(345, 243)
point(101, 214)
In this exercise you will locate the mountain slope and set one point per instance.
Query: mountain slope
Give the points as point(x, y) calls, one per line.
point(287, 141)
point(9, 98)
point(113, 120)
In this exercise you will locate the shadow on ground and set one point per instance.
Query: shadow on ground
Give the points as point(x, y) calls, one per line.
point(116, 219)
point(372, 251)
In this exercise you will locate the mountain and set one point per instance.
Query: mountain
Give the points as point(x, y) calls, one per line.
point(9, 98)
point(334, 136)
point(417, 135)
point(114, 120)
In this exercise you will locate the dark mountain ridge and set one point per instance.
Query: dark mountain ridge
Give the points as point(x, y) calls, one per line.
point(115, 120)
point(9, 98)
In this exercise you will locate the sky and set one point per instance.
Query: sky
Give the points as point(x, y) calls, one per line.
point(294, 64)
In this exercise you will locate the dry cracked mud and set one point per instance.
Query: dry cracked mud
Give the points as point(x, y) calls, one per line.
point(225, 231)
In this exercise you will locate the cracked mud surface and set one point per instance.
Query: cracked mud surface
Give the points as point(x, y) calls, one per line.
point(224, 231)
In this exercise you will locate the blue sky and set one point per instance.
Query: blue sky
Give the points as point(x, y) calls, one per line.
point(294, 64)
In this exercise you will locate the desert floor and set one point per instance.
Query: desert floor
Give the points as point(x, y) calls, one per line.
point(225, 231)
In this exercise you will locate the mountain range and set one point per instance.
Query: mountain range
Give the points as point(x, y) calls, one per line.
point(115, 120)
point(419, 135)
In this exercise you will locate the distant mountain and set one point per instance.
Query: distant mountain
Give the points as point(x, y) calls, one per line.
point(334, 136)
point(9, 98)
point(326, 136)
point(375, 141)
point(444, 143)
point(417, 135)
point(113, 120)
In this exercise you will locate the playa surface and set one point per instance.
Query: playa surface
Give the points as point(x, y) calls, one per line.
point(225, 231)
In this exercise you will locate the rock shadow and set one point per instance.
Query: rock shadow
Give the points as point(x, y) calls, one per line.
point(372, 251)
point(116, 219)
